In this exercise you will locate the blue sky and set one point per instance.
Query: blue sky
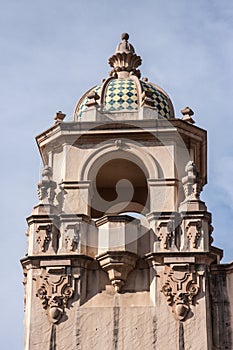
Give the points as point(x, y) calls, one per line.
point(52, 51)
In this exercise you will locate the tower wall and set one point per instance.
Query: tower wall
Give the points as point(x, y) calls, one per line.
point(98, 276)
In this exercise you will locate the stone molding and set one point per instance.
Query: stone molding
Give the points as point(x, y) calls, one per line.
point(134, 151)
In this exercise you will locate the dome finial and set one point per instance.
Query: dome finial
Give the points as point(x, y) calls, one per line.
point(125, 46)
point(125, 61)
point(125, 36)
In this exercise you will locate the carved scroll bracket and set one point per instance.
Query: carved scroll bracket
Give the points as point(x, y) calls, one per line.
point(55, 288)
point(180, 288)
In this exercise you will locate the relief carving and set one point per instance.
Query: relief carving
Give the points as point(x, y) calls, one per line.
point(55, 289)
point(193, 231)
point(43, 236)
point(72, 240)
point(120, 144)
point(180, 289)
point(165, 233)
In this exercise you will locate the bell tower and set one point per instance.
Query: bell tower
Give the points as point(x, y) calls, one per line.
point(120, 251)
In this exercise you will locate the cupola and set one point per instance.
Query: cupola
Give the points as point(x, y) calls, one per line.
point(124, 90)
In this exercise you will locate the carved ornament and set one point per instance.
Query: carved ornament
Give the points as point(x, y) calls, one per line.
point(193, 231)
point(55, 290)
point(43, 236)
point(147, 99)
point(46, 188)
point(180, 289)
point(72, 241)
point(125, 58)
point(191, 182)
point(118, 265)
point(165, 233)
point(93, 97)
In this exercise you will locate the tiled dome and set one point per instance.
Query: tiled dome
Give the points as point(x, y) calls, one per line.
point(161, 100)
point(124, 90)
point(122, 95)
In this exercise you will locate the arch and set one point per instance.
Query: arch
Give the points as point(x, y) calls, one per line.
point(119, 148)
point(119, 172)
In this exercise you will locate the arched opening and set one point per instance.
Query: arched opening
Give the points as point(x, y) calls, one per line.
point(119, 185)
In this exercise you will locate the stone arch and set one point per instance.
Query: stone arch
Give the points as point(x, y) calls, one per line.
point(120, 147)
point(119, 172)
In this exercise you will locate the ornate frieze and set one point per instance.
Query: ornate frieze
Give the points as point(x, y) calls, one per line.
point(55, 289)
point(180, 288)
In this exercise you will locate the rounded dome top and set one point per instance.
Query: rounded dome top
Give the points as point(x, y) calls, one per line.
point(124, 90)
point(126, 94)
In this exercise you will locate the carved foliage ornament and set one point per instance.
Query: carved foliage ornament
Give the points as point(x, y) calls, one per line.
point(55, 290)
point(180, 289)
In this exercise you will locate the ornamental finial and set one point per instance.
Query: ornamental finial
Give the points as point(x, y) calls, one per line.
point(125, 61)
